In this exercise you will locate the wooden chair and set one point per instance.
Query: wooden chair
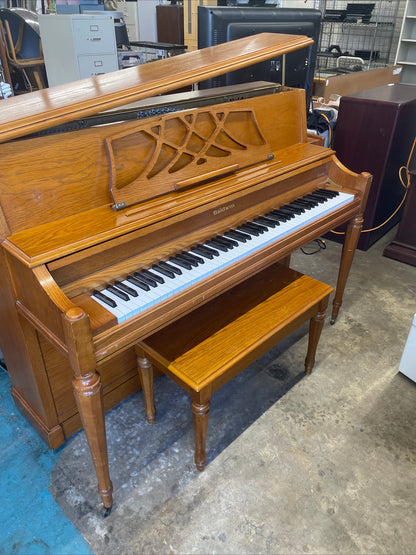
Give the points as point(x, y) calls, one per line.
point(205, 349)
point(33, 69)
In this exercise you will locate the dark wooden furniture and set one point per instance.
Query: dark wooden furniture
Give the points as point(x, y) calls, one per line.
point(375, 132)
point(169, 22)
point(83, 209)
point(403, 248)
point(208, 347)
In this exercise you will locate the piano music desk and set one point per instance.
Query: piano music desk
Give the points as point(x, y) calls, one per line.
point(205, 349)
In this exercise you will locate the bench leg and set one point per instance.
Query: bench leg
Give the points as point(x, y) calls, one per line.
point(200, 415)
point(315, 328)
point(145, 370)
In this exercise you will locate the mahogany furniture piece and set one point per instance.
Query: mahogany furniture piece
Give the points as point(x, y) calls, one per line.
point(169, 21)
point(84, 209)
point(205, 349)
point(375, 131)
point(403, 248)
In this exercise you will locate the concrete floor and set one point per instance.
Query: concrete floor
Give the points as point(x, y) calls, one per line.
point(319, 464)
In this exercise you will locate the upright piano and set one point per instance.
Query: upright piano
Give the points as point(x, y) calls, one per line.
point(112, 230)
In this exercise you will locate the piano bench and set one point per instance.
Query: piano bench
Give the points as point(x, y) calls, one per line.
point(206, 348)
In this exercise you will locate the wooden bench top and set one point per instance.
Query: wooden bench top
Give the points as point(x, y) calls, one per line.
point(237, 327)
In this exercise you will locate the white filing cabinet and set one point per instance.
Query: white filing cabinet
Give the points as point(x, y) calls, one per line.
point(147, 20)
point(131, 19)
point(77, 46)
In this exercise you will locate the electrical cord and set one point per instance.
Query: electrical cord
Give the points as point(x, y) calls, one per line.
point(329, 129)
point(320, 243)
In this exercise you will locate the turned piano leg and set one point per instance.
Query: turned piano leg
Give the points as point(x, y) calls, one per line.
point(200, 415)
point(145, 370)
point(315, 328)
point(89, 397)
point(352, 236)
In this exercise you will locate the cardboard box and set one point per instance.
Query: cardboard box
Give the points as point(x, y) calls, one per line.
point(328, 83)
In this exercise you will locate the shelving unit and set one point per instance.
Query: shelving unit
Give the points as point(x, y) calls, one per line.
point(354, 40)
point(406, 51)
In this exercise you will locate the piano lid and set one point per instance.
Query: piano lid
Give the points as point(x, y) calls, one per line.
point(39, 110)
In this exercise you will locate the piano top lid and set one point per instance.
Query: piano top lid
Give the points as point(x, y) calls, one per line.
point(42, 109)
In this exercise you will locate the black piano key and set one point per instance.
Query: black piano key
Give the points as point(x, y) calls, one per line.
point(189, 256)
point(238, 235)
point(328, 193)
point(129, 290)
point(264, 220)
point(138, 283)
point(211, 250)
point(217, 245)
point(266, 217)
point(245, 229)
point(171, 268)
point(285, 215)
point(298, 205)
point(318, 200)
point(292, 208)
point(277, 216)
point(231, 240)
point(317, 196)
point(163, 271)
point(276, 219)
point(256, 227)
point(151, 275)
point(104, 298)
point(287, 211)
point(190, 261)
point(181, 263)
point(225, 241)
point(203, 253)
point(117, 292)
point(306, 203)
point(145, 279)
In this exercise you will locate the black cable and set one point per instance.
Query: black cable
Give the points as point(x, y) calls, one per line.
point(320, 246)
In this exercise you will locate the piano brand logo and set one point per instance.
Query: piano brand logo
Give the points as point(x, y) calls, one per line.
point(223, 209)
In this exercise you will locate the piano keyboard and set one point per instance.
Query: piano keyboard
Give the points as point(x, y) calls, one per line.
point(145, 288)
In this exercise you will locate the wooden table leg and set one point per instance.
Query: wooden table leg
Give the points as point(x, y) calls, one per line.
point(200, 415)
point(88, 395)
point(352, 236)
point(315, 328)
point(146, 374)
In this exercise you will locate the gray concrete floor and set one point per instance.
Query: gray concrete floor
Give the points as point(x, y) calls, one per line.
point(296, 464)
